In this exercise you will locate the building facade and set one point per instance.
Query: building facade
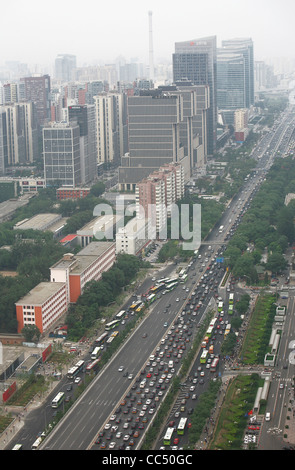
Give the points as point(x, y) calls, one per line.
point(195, 61)
point(154, 120)
point(61, 152)
point(155, 195)
point(19, 133)
point(65, 65)
point(109, 127)
point(84, 115)
point(46, 303)
point(245, 48)
point(37, 89)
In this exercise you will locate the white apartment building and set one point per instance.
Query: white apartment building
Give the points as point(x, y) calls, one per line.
point(132, 238)
point(109, 126)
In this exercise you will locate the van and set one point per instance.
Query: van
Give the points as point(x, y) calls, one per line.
point(267, 416)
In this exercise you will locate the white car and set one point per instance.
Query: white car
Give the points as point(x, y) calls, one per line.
point(77, 380)
point(177, 300)
point(121, 368)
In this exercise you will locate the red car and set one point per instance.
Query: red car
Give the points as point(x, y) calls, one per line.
point(176, 441)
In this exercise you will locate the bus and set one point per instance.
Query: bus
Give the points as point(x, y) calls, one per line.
point(171, 286)
point(112, 324)
point(95, 353)
point(58, 400)
point(220, 306)
point(230, 309)
point(231, 298)
point(168, 436)
point(36, 444)
point(221, 228)
point(135, 305)
point(93, 366)
point(204, 356)
point(227, 329)
point(151, 298)
point(101, 339)
point(183, 279)
point(120, 314)
point(214, 364)
point(17, 447)
point(164, 280)
point(73, 371)
point(157, 288)
point(181, 426)
point(182, 272)
point(174, 279)
point(209, 331)
point(140, 307)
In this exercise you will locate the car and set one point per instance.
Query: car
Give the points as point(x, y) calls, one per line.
point(130, 376)
point(281, 385)
point(126, 437)
point(144, 335)
point(165, 324)
point(121, 368)
point(113, 417)
point(107, 426)
point(177, 300)
point(112, 445)
point(77, 380)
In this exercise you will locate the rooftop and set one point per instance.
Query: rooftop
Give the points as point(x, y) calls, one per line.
point(41, 293)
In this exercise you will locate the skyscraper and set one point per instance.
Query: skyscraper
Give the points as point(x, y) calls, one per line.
point(109, 127)
point(244, 47)
point(231, 83)
point(85, 118)
point(37, 90)
point(61, 152)
point(64, 67)
point(195, 61)
point(154, 120)
point(18, 133)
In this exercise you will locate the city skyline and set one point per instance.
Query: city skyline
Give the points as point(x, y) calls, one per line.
point(38, 34)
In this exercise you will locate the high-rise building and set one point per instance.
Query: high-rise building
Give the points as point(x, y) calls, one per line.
point(61, 152)
point(244, 47)
point(109, 127)
point(18, 133)
point(85, 117)
point(37, 90)
point(65, 64)
point(231, 81)
point(154, 120)
point(195, 61)
point(3, 142)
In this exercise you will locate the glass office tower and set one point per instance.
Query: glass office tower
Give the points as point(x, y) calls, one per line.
point(196, 61)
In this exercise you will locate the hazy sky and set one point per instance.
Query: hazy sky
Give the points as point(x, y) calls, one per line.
point(98, 31)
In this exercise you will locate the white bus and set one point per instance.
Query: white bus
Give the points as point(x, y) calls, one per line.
point(168, 436)
point(120, 314)
point(58, 399)
point(37, 443)
point(95, 353)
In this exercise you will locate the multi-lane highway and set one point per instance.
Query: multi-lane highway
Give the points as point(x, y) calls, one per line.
point(80, 426)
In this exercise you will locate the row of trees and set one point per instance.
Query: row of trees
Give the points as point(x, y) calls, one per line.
point(267, 227)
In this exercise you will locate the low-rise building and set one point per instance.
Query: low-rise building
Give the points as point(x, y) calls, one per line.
point(132, 238)
point(42, 306)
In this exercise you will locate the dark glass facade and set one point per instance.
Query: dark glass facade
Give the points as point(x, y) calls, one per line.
point(196, 61)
